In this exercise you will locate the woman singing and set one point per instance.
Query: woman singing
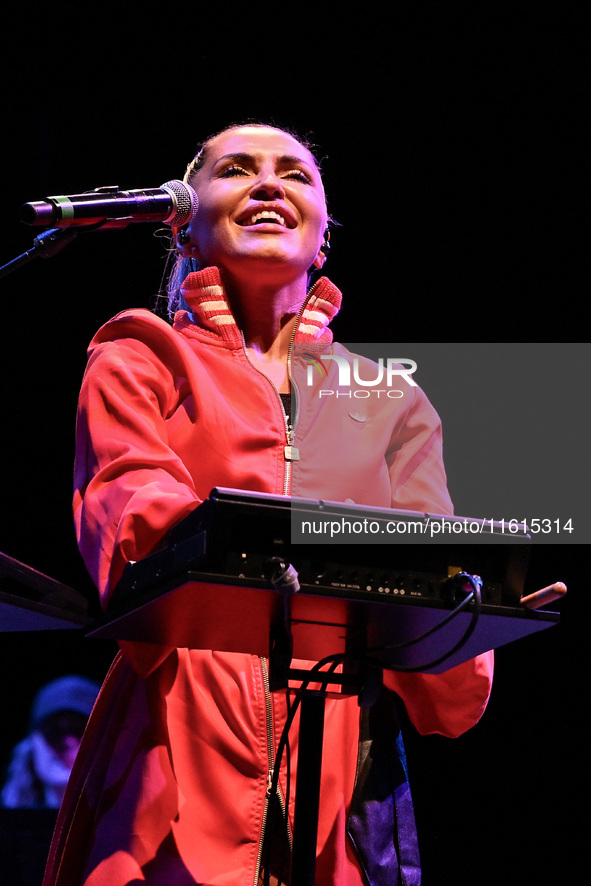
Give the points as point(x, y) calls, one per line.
point(171, 783)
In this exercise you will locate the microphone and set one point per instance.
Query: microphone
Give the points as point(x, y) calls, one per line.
point(173, 203)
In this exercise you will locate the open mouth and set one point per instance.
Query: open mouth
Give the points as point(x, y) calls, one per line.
point(265, 217)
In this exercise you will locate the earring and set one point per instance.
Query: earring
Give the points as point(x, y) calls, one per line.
point(183, 237)
point(325, 248)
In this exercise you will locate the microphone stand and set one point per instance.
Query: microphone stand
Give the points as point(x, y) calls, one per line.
point(48, 243)
point(53, 240)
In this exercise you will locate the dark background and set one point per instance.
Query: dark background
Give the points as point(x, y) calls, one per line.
point(453, 149)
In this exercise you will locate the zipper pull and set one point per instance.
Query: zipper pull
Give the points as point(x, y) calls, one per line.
point(270, 782)
point(291, 453)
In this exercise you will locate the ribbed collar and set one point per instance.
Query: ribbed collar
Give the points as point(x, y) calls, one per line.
point(205, 295)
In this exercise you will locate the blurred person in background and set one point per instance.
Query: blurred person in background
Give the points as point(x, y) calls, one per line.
point(41, 763)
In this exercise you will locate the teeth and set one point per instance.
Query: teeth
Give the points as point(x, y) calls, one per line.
point(267, 214)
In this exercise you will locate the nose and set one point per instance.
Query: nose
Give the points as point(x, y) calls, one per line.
point(268, 186)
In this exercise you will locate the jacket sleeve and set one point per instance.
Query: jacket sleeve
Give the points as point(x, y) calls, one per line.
point(449, 703)
point(452, 702)
point(130, 487)
point(415, 461)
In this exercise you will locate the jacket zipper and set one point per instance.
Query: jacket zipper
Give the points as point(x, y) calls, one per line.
point(270, 773)
point(291, 454)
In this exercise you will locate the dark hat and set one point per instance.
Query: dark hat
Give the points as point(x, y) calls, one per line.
point(72, 693)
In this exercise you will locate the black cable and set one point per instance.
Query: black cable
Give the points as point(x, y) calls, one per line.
point(283, 746)
point(334, 660)
point(475, 596)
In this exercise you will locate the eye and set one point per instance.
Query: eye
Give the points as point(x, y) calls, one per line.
point(233, 170)
point(298, 175)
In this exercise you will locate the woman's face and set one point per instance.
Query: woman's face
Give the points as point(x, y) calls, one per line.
point(261, 202)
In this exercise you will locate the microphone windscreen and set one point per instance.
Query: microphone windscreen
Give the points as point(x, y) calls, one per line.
point(187, 203)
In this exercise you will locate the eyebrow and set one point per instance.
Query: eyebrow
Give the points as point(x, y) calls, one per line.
point(283, 160)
